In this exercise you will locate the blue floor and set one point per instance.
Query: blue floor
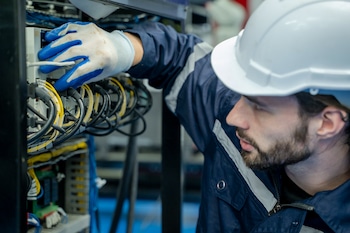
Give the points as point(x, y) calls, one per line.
point(147, 218)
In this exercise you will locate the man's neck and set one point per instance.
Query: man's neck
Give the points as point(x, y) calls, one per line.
point(323, 171)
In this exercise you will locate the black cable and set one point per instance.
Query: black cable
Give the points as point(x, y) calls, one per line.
point(105, 125)
point(49, 120)
point(46, 126)
point(133, 197)
point(124, 186)
point(73, 129)
point(117, 92)
point(99, 130)
point(96, 116)
point(144, 127)
point(133, 104)
point(148, 98)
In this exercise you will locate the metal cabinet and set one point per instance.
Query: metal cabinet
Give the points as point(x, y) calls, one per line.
point(13, 117)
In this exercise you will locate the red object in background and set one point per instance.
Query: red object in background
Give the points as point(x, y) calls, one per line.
point(244, 4)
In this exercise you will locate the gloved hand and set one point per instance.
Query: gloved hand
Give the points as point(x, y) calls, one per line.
point(98, 54)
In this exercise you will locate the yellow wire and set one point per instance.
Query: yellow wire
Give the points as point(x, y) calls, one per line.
point(131, 93)
point(35, 178)
point(55, 152)
point(87, 89)
point(124, 103)
point(58, 97)
point(51, 91)
point(132, 97)
point(57, 100)
point(96, 101)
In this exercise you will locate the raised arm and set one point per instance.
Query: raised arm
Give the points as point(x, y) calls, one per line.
point(153, 51)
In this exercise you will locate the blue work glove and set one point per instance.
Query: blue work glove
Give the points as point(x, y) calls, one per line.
point(97, 53)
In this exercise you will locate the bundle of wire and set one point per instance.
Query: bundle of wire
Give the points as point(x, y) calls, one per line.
point(50, 14)
point(97, 109)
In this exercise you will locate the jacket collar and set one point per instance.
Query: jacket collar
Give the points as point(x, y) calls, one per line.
point(333, 207)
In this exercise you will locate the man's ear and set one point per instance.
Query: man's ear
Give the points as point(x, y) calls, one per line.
point(332, 122)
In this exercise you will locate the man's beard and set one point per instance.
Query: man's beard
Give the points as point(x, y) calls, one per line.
point(282, 152)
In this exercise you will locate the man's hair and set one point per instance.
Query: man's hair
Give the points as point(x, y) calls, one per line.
point(311, 105)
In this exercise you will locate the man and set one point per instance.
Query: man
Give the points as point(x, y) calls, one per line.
point(291, 123)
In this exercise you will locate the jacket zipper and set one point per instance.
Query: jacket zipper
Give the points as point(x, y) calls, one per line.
point(279, 206)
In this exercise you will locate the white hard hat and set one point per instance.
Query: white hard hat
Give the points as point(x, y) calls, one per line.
point(290, 46)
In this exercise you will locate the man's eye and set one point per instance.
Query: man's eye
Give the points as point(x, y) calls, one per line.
point(254, 104)
point(257, 107)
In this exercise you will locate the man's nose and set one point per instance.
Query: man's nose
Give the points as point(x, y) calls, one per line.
point(239, 114)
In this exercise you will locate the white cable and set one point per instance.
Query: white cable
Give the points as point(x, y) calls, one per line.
point(100, 182)
point(32, 193)
point(33, 221)
point(64, 215)
point(50, 63)
point(61, 211)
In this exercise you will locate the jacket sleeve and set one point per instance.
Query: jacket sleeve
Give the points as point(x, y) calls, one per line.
point(180, 64)
point(165, 53)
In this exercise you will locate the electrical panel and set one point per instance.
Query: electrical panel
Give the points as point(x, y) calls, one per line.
point(62, 180)
point(61, 169)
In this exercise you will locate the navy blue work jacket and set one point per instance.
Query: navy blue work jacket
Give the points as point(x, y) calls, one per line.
point(234, 197)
